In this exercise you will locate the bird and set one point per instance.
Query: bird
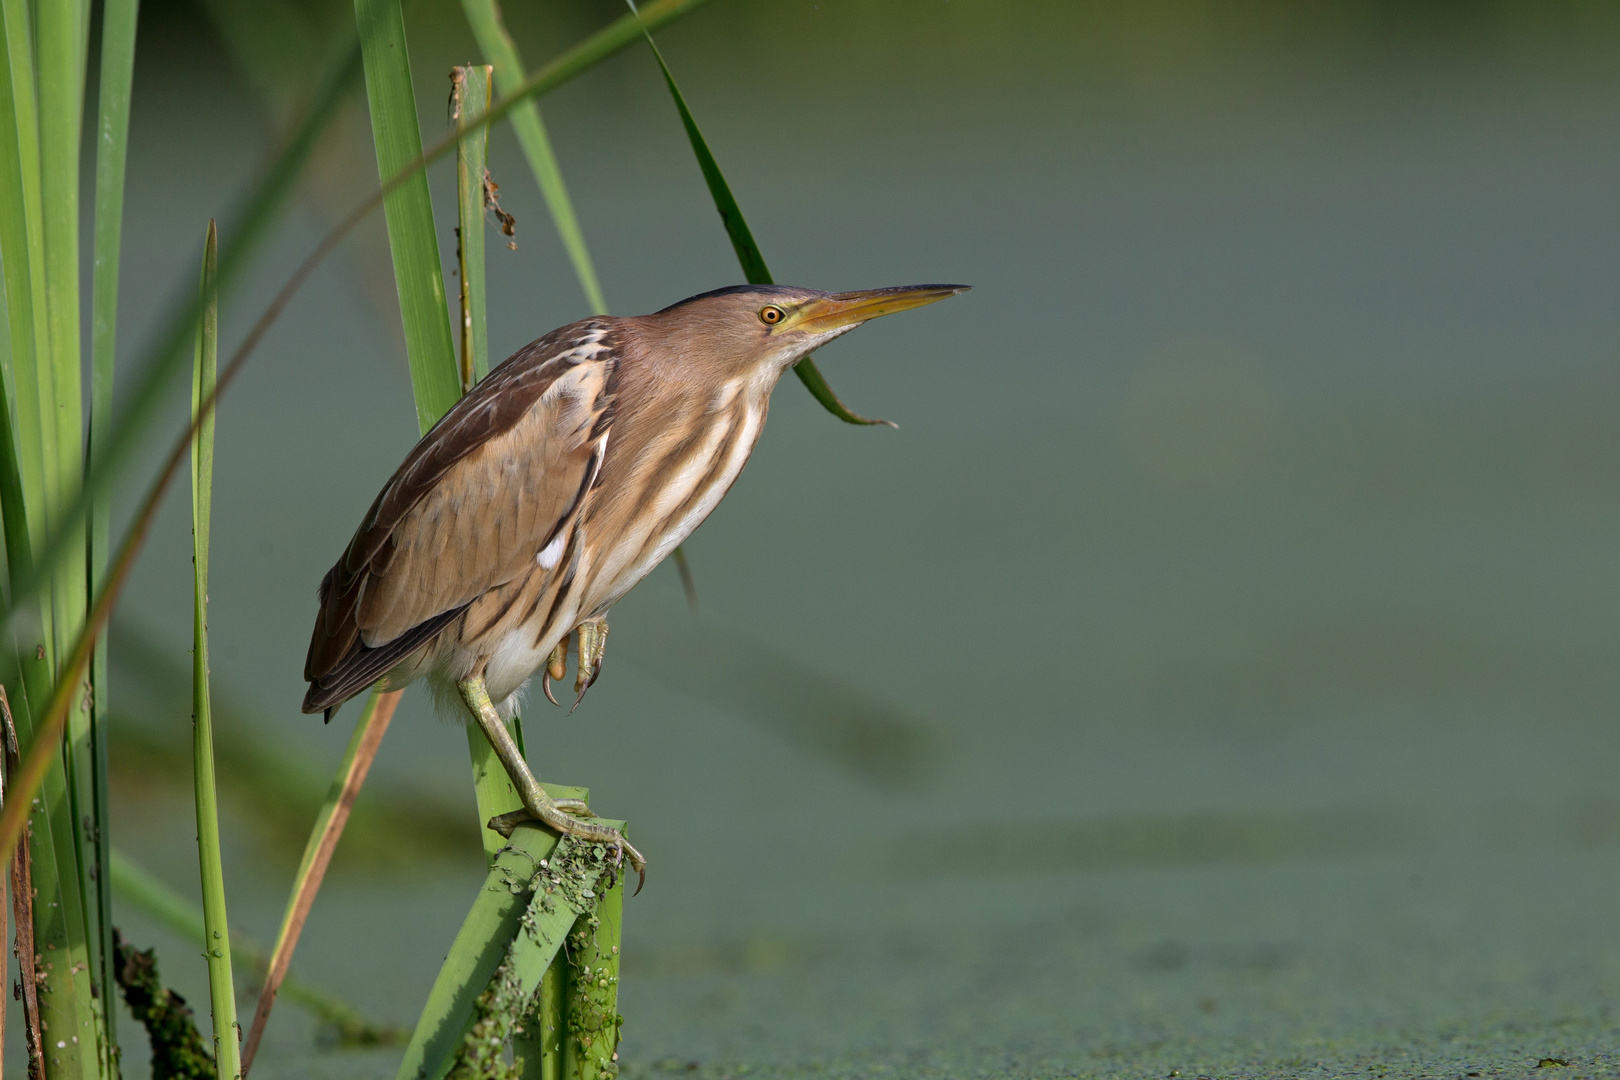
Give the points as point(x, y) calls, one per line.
point(546, 493)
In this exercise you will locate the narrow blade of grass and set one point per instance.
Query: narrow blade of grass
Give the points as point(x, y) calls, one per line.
point(323, 840)
point(408, 209)
point(484, 16)
point(216, 945)
point(749, 256)
point(140, 889)
point(118, 23)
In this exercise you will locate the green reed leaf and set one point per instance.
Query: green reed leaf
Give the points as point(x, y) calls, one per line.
point(749, 256)
point(408, 209)
point(118, 24)
point(45, 73)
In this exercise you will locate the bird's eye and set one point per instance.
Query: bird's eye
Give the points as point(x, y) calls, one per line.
point(770, 314)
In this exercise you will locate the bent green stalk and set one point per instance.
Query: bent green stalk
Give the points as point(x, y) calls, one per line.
point(216, 945)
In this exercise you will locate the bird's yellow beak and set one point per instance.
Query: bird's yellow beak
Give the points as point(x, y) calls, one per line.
point(842, 310)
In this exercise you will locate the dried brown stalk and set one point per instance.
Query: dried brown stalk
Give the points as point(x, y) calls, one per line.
point(317, 859)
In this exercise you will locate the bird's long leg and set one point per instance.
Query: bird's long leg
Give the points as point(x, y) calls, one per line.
point(536, 802)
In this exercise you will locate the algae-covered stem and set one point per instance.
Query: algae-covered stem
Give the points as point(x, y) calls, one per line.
point(592, 1021)
point(554, 994)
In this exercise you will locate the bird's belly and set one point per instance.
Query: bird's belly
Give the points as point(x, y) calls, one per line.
point(507, 633)
point(622, 564)
point(514, 659)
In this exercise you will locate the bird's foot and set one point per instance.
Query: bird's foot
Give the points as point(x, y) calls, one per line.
point(592, 638)
point(564, 816)
point(505, 823)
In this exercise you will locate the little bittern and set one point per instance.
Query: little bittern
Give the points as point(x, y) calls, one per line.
point(548, 491)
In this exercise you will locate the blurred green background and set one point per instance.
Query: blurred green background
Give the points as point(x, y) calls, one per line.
point(1213, 675)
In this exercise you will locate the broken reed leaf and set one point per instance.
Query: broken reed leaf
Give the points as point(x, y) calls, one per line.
point(556, 898)
point(494, 921)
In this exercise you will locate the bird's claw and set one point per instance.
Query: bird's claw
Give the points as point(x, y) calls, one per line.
point(592, 647)
point(637, 863)
point(556, 667)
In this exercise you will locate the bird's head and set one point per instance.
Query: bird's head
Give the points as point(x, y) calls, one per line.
point(768, 328)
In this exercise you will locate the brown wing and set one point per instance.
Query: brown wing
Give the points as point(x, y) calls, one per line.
point(503, 474)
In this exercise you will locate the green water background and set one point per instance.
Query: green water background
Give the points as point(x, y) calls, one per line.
point(1245, 553)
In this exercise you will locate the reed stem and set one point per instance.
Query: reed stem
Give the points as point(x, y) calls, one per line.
point(216, 944)
point(118, 22)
